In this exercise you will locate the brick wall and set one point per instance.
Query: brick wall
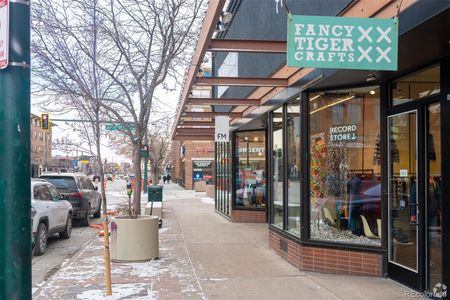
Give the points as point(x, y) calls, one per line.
point(326, 260)
point(248, 216)
point(195, 149)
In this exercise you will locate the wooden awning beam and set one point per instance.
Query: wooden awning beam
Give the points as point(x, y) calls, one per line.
point(219, 101)
point(195, 123)
point(192, 114)
point(261, 46)
point(241, 81)
point(195, 131)
point(182, 137)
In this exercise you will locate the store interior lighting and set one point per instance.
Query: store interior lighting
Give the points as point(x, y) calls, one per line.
point(332, 104)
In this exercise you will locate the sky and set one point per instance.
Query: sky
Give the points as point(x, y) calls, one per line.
point(170, 99)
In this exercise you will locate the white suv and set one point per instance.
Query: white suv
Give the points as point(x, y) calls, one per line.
point(51, 214)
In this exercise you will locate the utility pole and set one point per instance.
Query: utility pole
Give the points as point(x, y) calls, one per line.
point(15, 204)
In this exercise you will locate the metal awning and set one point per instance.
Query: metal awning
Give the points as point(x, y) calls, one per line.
point(265, 88)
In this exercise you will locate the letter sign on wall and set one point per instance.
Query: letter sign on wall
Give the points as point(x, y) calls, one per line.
point(342, 43)
point(4, 33)
point(222, 129)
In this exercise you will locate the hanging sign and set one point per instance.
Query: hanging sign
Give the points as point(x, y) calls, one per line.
point(4, 33)
point(342, 43)
point(222, 129)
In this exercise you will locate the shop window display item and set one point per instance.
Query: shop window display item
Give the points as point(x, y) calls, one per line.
point(318, 173)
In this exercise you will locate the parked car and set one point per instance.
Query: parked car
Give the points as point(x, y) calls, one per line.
point(80, 192)
point(50, 214)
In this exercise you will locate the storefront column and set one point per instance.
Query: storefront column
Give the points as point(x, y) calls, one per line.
point(445, 128)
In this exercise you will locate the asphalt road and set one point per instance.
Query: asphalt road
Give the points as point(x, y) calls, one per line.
point(60, 250)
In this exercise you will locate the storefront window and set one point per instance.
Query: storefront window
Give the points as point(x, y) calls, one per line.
point(293, 166)
point(250, 171)
point(417, 86)
point(345, 166)
point(277, 167)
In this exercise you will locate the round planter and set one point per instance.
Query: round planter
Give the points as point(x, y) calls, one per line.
point(134, 239)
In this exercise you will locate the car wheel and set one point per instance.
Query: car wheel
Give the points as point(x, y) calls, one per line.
point(87, 219)
point(68, 230)
point(41, 240)
point(98, 213)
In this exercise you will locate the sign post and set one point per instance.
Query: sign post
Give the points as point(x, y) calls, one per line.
point(4, 33)
point(342, 43)
point(15, 206)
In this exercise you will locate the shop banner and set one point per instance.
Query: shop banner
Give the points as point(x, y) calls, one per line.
point(4, 33)
point(222, 129)
point(342, 43)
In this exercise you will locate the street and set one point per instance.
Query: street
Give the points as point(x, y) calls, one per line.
point(60, 250)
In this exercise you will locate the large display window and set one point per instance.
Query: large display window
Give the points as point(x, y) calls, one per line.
point(250, 179)
point(345, 166)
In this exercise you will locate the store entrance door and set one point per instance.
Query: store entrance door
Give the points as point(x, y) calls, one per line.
point(414, 198)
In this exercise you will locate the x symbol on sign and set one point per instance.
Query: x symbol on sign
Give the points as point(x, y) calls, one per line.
point(384, 34)
point(364, 54)
point(383, 54)
point(365, 34)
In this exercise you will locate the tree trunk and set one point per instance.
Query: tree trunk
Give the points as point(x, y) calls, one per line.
point(137, 178)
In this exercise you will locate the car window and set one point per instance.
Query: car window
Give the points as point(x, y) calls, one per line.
point(83, 183)
point(41, 192)
point(89, 184)
point(63, 184)
point(54, 193)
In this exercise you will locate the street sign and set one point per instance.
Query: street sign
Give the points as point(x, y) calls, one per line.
point(4, 33)
point(116, 127)
point(222, 129)
point(342, 43)
point(145, 151)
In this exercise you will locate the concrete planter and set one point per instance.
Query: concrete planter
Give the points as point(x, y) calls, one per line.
point(134, 239)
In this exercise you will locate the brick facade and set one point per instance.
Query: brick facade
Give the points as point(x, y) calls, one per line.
point(326, 260)
point(248, 216)
point(182, 171)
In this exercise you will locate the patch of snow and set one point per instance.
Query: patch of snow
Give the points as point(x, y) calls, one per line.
point(207, 200)
point(139, 290)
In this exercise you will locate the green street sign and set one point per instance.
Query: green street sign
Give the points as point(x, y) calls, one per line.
point(342, 43)
point(116, 127)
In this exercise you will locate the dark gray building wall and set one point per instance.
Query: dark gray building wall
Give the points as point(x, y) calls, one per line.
point(258, 19)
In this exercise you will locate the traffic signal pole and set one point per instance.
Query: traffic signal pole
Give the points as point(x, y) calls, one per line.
point(15, 220)
point(146, 165)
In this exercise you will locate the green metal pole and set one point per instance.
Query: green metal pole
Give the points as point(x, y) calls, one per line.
point(146, 165)
point(15, 203)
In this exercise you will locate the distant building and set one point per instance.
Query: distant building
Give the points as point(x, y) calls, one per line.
point(41, 147)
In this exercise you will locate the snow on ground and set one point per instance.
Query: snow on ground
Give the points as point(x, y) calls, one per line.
point(207, 200)
point(120, 291)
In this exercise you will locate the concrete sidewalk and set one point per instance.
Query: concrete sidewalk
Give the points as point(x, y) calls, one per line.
point(204, 256)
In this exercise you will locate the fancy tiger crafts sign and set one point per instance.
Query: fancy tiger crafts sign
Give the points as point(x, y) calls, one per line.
point(342, 43)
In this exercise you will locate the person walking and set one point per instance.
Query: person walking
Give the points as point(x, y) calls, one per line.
point(164, 179)
point(168, 178)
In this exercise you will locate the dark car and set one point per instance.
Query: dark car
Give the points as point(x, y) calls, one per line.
point(80, 192)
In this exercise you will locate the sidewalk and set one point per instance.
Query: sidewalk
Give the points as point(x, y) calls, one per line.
point(203, 256)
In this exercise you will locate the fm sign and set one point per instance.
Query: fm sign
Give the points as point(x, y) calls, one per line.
point(342, 43)
point(222, 129)
point(4, 33)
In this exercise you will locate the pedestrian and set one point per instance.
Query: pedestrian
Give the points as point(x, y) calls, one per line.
point(168, 178)
point(164, 179)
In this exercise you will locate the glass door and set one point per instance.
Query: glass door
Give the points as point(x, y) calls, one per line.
point(414, 198)
point(403, 191)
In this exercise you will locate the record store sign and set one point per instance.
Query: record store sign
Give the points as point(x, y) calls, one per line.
point(342, 43)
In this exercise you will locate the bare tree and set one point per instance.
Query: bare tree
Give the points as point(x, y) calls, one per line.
point(68, 77)
point(141, 45)
point(159, 144)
